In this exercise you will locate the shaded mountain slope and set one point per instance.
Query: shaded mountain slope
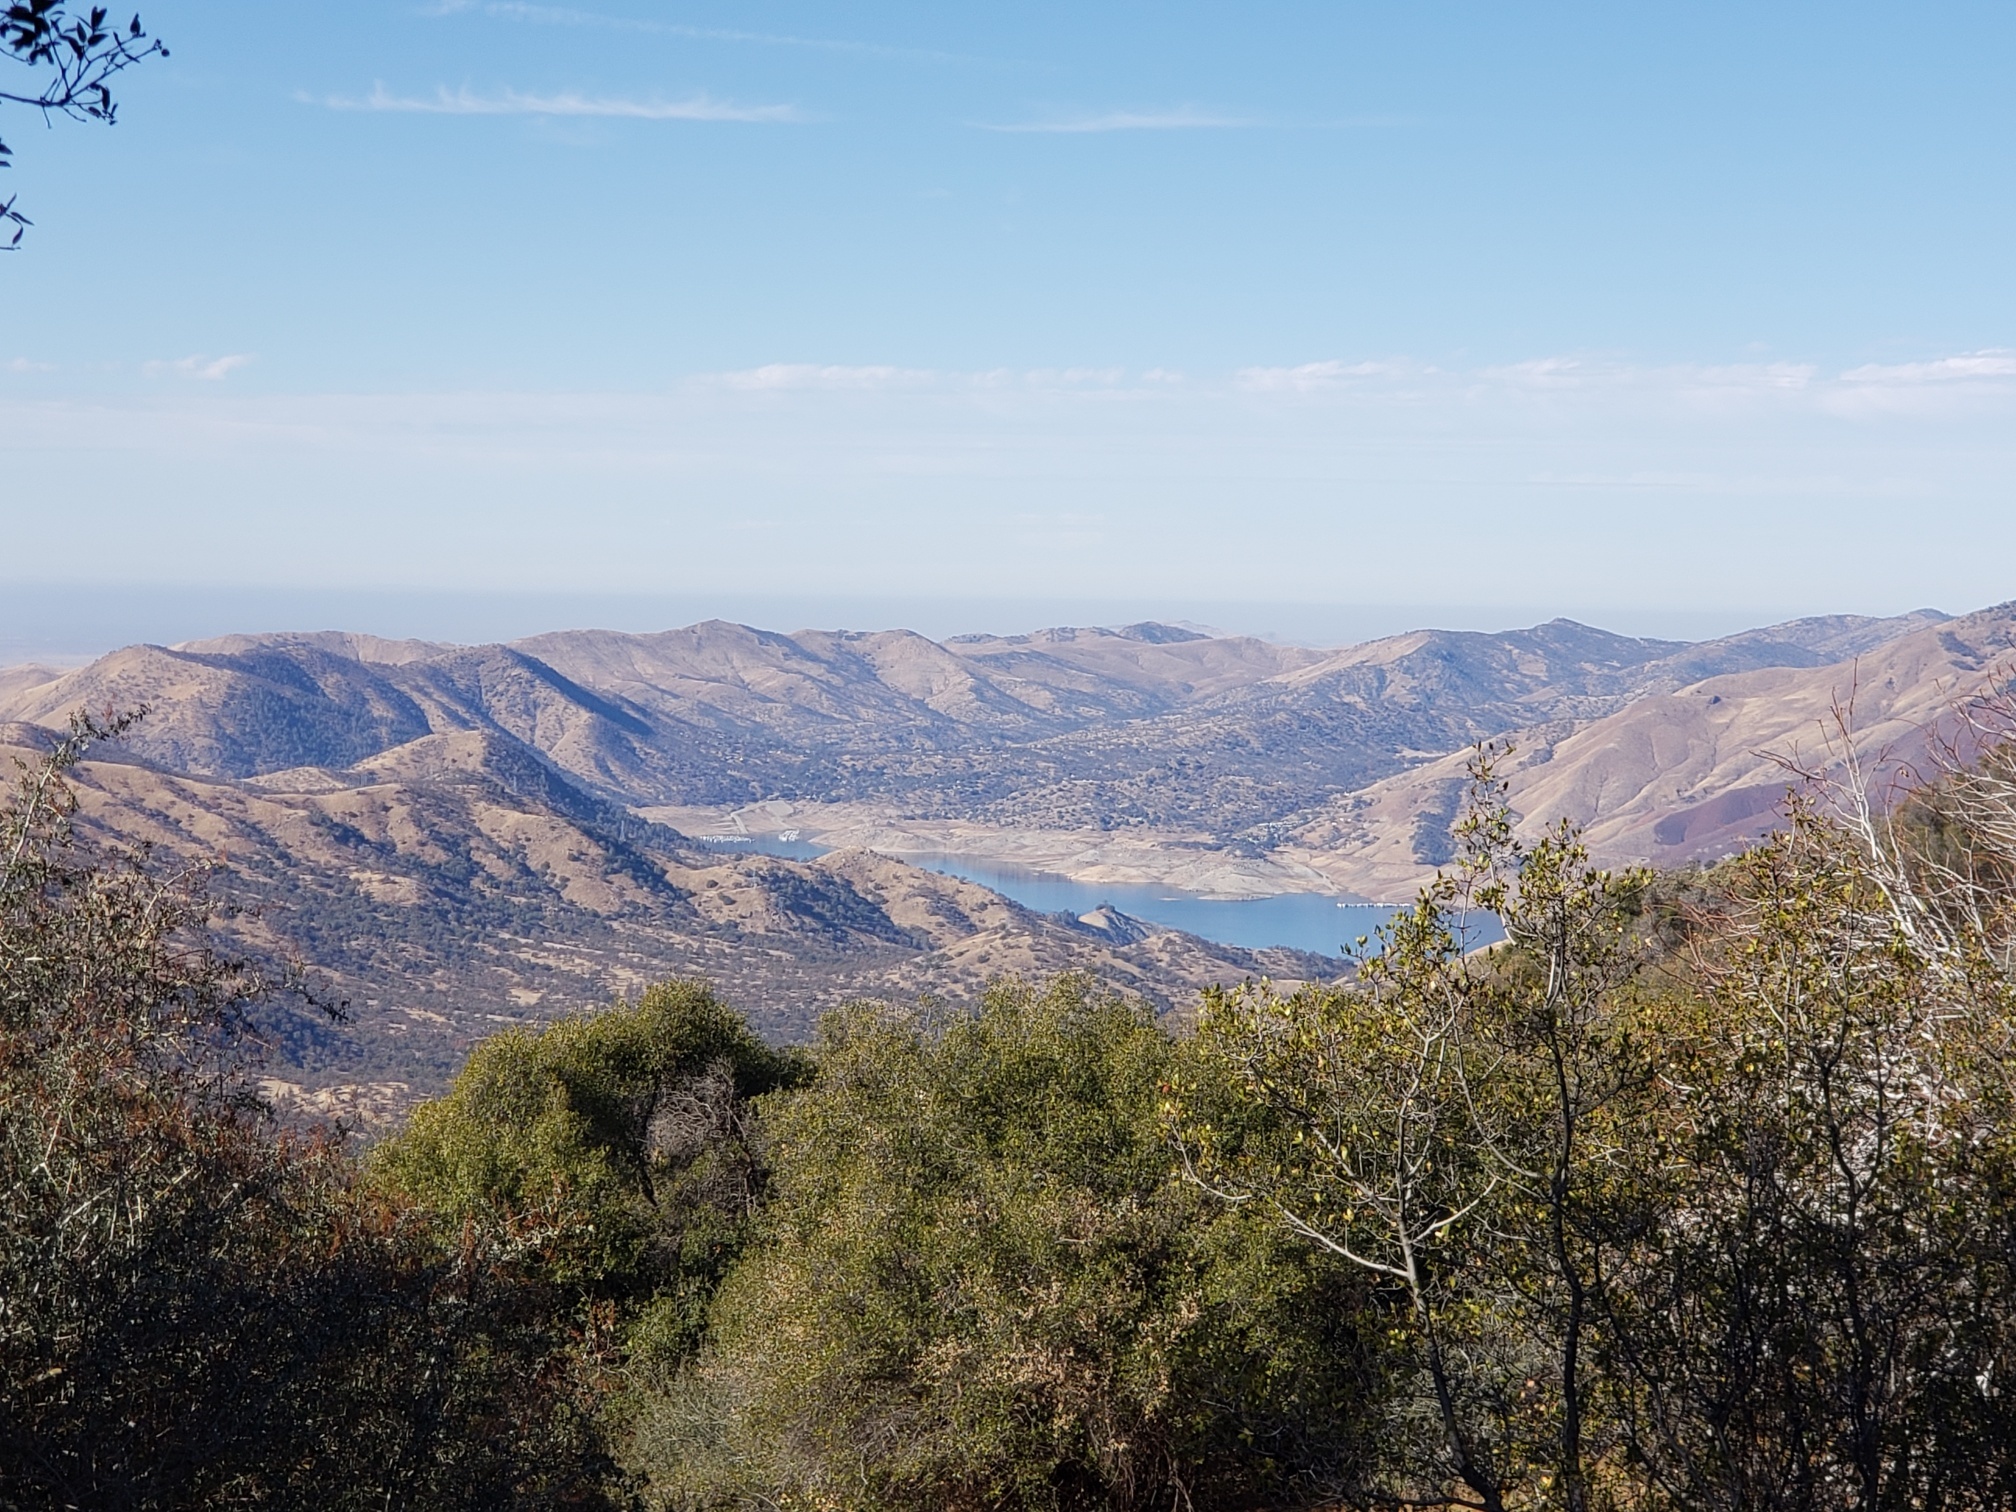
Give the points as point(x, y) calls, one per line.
point(456, 884)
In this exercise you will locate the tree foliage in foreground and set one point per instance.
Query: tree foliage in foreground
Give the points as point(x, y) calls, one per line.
point(979, 1284)
point(1822, 1310)
point(632, 1132)
point(195, 1308)
point(69, 58)
point(1717, 1223)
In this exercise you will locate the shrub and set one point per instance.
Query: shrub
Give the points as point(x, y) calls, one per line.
point(980, 1284)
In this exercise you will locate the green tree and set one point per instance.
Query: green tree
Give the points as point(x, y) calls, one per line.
point(1822, 1313)
point(1696, 1207)
point(1448, 1122)
point(196, 1308)
point(982, 1285)
point(629, 1133)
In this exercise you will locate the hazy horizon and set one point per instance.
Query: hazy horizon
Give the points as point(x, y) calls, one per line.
point(1691, 316)
point(69, 624)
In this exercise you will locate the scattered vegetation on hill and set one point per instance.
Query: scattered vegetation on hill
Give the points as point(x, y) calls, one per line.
point(1694, 1193)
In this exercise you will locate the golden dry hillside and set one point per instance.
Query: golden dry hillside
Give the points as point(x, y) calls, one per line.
point(1685, 775)
point(1145, 753)
point(452, 885)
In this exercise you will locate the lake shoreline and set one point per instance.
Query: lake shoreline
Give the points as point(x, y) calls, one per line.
point(1321, 923)
point(1193, 864)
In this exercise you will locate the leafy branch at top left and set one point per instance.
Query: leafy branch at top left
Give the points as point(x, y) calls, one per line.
point(71, 58)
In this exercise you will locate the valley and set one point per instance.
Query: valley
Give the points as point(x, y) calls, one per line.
point(454, 887)
point(455, 839)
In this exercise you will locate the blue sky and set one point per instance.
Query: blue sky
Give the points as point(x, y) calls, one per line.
point(1656, 315)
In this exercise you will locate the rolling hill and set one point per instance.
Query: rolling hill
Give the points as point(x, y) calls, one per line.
point(462, 837)
point(456, 884)
point(1685, 774)
point(1213, 741)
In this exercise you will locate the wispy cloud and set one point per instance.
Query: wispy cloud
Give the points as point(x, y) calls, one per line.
point(810, 375)
point(1954, 387)
point(1569, 382)
point(1973, 366)
point(800, 376)
point(1307, 377)
point(1185, 119)
point(29, 365)
point(209, 369)
point(1599, 375)
point(466, 102)
point(567, 15)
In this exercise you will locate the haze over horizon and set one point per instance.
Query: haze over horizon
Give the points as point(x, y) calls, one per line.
point(1294, 319)
point(70, 624)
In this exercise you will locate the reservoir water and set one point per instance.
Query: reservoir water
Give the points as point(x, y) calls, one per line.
point(1304, 921)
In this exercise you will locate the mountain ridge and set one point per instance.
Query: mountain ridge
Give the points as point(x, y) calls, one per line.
point(452, 887)
point(715, 713)
point(1692, 773)
point(1178, 739)
point(463, 837)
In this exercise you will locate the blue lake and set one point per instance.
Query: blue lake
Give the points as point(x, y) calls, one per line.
point(1305, 921)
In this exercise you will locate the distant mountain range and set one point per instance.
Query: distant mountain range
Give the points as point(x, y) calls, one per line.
point(466, 835)
point(1098, 730)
